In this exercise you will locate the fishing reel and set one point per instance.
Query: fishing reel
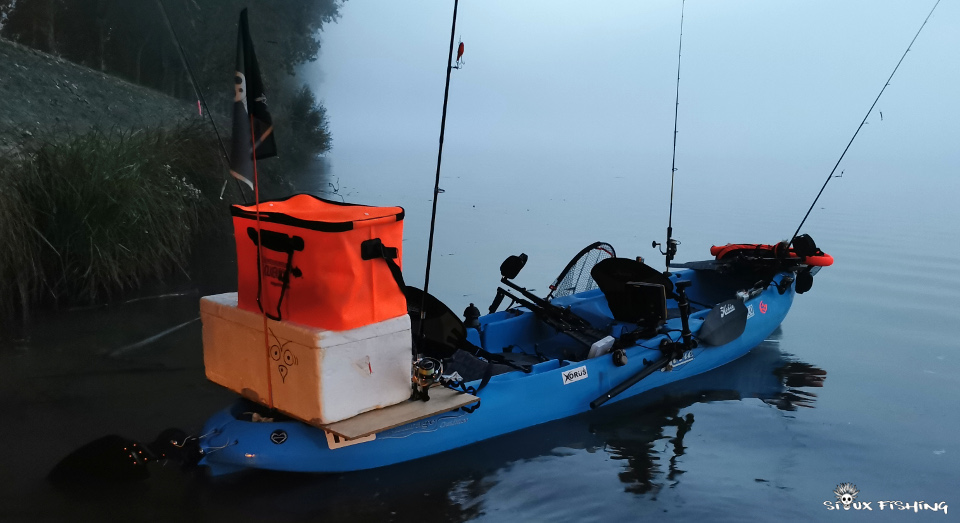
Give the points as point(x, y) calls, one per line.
point(426, 372)
point(671, 251)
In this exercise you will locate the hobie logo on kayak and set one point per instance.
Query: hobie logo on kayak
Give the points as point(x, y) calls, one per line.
point(686, 358)
point(576, 374)
point(726, 309)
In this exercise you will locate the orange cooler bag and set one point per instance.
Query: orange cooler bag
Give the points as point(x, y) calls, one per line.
point(326, 264)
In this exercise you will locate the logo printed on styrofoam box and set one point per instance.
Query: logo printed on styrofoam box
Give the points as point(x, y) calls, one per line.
point(573, 375)
point(284, 357)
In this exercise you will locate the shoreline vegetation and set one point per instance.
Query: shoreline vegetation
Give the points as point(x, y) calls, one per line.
point(111, 182)
point(85, 219)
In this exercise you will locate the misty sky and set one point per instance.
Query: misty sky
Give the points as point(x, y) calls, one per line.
point(761, 81)
point(569, 104)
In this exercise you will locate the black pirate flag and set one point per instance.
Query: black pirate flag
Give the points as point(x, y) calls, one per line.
point(252, 124)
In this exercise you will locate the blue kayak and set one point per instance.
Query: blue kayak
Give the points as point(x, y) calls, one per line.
point(549, 373)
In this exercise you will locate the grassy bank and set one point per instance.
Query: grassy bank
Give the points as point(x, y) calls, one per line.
point(91, 216)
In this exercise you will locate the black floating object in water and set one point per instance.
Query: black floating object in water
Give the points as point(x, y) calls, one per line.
point(724, 323)
point(172, 443)
point(175, 444)
point(111, 458)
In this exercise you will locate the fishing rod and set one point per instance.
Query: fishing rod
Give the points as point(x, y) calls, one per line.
point(671, 243)
point(199, 93)
point(864, 121)
point(436, 185)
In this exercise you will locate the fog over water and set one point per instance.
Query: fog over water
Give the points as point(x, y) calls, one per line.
point(568, 112)
point(559, 133)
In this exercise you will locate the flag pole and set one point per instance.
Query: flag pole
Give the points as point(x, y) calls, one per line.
point(436, 185)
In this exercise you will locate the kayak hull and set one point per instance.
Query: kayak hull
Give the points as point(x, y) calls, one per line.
point(510, 402)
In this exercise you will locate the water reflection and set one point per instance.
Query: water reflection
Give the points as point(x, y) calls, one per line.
point(637, 445)
point(645, 437)
point(765, 374)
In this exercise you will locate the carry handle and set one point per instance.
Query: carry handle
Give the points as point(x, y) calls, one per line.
point(374, 248)
point(276, 241)
point(279, 242)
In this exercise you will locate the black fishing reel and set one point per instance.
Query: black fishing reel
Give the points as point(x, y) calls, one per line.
point(671, 247)
point(426, 372)
point(671, 252)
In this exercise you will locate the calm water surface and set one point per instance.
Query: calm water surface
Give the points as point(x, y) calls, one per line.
point(859, 384)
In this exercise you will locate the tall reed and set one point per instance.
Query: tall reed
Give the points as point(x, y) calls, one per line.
point(100, 213)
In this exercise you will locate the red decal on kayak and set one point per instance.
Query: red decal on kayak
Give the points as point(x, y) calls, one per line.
point(763, 308)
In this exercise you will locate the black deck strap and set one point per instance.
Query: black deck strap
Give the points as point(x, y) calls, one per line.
point(492, 357)
point(279, 242)
point(461, 387)
point(487, 374)
point(374, 248)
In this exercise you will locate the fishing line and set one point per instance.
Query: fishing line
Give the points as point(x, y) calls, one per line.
point(829, 176)
point(256, 198)
point(199, 93)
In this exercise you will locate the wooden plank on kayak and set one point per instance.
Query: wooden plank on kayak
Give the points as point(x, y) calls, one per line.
point(442, 400)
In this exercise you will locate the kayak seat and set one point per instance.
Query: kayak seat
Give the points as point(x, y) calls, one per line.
point(635, 292)
point(443, 331)
point(445, 338)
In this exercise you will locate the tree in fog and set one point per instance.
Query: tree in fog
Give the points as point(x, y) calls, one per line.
point(128, 38)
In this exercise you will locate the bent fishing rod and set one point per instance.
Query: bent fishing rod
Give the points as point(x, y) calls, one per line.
point(864, 121)
point(671, 243)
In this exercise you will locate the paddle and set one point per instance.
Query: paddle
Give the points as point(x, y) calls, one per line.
point(632, 380)
point(723, 324)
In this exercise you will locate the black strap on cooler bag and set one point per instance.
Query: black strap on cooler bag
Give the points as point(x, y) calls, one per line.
point(374, 248)
point(279, 242)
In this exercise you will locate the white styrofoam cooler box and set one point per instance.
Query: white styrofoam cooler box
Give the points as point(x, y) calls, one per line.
point(315, 375)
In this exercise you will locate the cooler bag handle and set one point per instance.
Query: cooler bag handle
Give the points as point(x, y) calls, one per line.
point(373, 249)
point(279, 242)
